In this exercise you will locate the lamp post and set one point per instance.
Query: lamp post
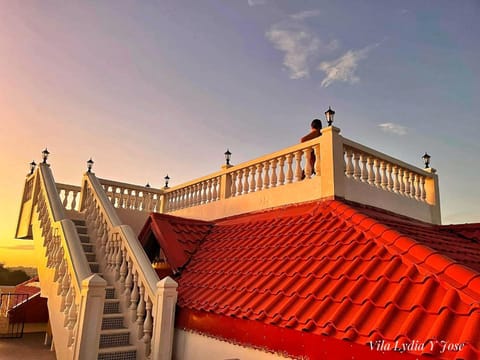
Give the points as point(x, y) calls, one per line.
point(32, 167)
point(329, 115)
point(166, 181)
point(89, 165)
point(228, 156)
point(45, 154)
point(426, 160)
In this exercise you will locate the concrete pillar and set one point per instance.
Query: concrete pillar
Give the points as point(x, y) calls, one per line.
point(90, 318)
point(332, 163)
point(162, 340)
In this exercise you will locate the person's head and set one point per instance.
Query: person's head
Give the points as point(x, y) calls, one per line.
point(316, 124)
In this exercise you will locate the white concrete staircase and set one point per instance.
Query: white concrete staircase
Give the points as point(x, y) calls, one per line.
point(114, 336)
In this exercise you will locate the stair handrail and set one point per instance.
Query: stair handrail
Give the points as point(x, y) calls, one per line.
point(124, 261)
point(79, 293)
point(74, 253)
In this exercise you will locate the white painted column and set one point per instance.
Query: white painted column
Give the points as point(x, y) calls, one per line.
point(332, 163)
point(164, 319)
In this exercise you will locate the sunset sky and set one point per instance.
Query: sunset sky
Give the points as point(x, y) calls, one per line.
point(156, 87)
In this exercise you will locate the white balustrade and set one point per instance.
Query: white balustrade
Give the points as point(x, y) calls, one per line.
point(124, 261)
point(69, 195)
point(65, 260)
point(386, 173)
point(133, 197)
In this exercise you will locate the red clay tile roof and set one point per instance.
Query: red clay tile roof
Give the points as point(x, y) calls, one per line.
point(337, 270)
point(178, 237)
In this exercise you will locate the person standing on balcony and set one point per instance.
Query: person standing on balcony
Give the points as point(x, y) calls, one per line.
point(315, 132)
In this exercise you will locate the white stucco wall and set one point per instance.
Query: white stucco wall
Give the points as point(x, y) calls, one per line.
point(192, 346)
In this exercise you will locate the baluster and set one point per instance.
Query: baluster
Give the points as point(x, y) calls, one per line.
point(389, 177)
point(289, 168)
point(414, 186)
point(123, 269)
point(214, 189)
point(349, 163)
point(114, 197)
point(252, 179)
point(356, 166)
point(65, 197)
point(364, 172)
point(318, 164)
point(281, 171)
point(233, 184)
point(209, 190)
point(64, 286)
point(128, 281)
point(273, 178)
point(134, 298)
point(308, 162)
point(298, 165)
point(383, 167)
point(118, 257)
point(195, 195)
point(198, 192)
point(140, 312)
point(240, 182)
point(396, 183)
point(423, 189)
point(72, 320)
point(407, 182)
point(259, 182)
point(74, 200)
point(266, 175)
point(401, 181)
point(378, 177)
point(246, 173)
point(203, 192)
point(148, 328)
point(68, 303)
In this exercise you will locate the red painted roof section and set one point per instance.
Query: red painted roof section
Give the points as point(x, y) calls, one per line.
point(178, 237)
point(339, 270)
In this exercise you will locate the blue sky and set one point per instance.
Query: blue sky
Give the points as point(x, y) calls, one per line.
point(149, 88)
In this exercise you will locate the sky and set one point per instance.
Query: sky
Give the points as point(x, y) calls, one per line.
point(155, 87)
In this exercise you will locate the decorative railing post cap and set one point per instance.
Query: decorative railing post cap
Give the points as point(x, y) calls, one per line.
point(167, 282)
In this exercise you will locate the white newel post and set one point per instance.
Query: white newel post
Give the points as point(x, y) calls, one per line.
point(164, 319)
point(90, 318)
point(332, 163)
point(225, 183)
point(433, 196)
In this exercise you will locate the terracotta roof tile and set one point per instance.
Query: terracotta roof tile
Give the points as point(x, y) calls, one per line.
point(335, 269)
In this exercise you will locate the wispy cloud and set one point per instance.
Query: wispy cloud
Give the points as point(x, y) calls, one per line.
point(343, 68)
point(393, 128)
point(297, 43)
point(305, 14)
point(256, 2)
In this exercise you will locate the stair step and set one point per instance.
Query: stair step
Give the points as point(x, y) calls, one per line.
point(110, 292)
point(111, 306)
point(112, 321)
point(117, 353)
point(94, 267)
point(88, 248)
point(81, 229)
point(84, 238)
point(79, 222)
point(91, 257)
point(114, 337)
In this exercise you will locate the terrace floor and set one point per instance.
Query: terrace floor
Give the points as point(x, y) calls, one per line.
point(30, 346)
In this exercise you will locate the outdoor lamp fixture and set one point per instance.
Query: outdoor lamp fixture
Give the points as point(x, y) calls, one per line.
point(45, 154)
point(32, 167)
point(166, 181)
point(228, 156)
point(426, 160)
point(148, 185)
point(89, 165)
point(329, 114)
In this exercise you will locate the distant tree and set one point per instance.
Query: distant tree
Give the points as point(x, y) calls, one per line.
point(12, 278)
